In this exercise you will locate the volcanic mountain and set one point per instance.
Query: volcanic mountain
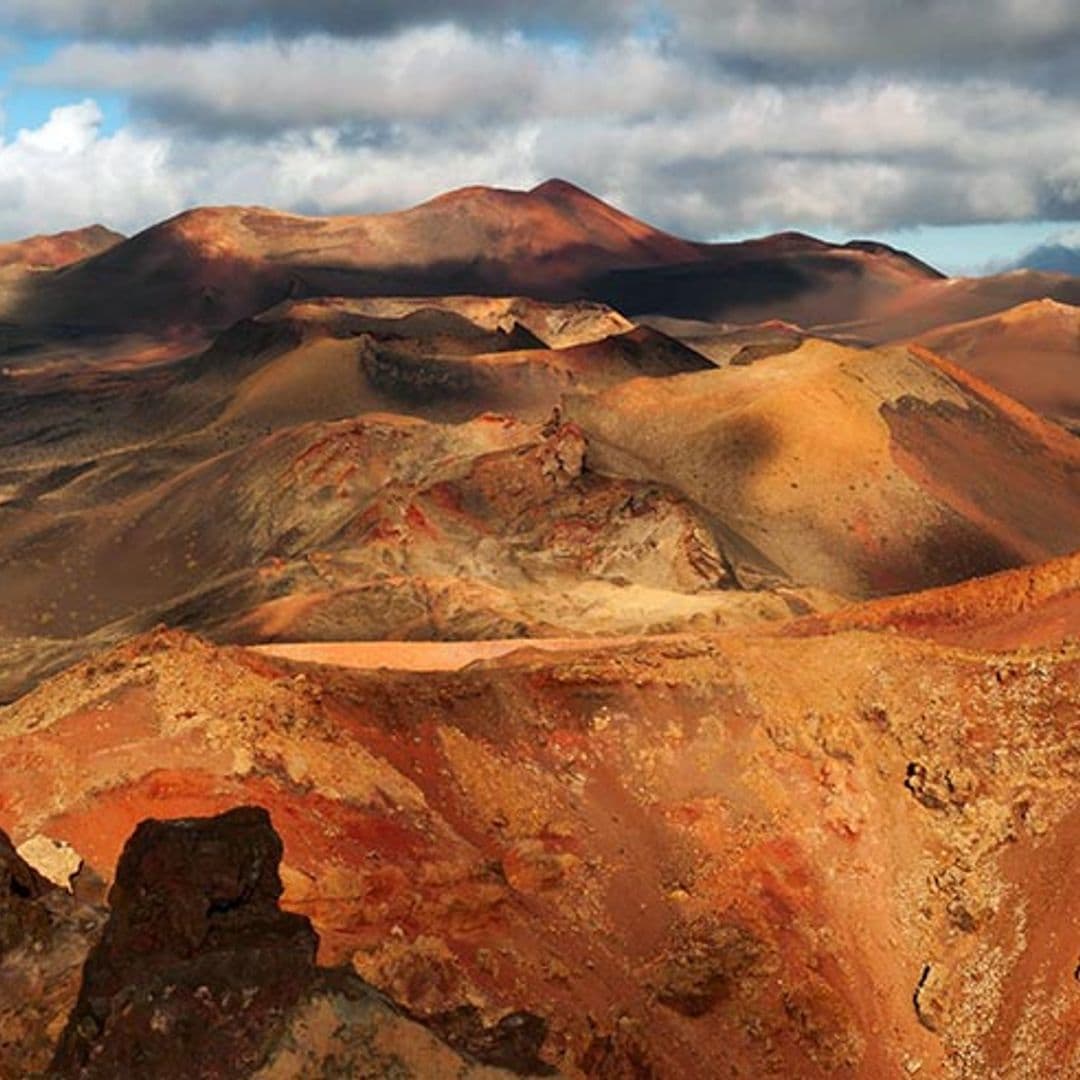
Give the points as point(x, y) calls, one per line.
point(789, 276)
point(1031, 352)
point(210, 267)
point(863, 472)
point(1061, 256)
point(929, 305)
point(207, 268)
point(676, 689)
point(57, 250)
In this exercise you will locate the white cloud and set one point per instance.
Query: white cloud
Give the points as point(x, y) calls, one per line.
point(337, 125)
point(68, 173)
point(65, 173)
point(436, 73)
point(70, 130)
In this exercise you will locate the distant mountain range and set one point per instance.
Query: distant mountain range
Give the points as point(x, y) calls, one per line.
point(1061, 256)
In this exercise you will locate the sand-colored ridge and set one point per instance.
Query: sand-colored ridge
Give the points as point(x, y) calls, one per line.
point(1033, 607)
point(846, 468)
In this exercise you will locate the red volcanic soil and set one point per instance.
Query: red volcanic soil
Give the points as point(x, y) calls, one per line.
point(1031, 353)
point(568, 726)
point(1034, 607)
point(59, 249)
point(210, 267)
point(838, 855)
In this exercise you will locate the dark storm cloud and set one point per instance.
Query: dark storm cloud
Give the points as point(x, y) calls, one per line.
point(757, 36)
point(193, 20)
point(985, 35)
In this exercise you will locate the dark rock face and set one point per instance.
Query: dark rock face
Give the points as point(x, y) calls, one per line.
point(200, 974)
point(513, 1043)
point(21, 917)
point(45, 934)
point(197, 964)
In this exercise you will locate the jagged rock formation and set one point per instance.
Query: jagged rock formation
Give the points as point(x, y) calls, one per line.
point(45, 935)
point(200, 975)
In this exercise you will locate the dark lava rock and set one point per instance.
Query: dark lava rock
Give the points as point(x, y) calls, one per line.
point(45, 935)
point(198, 964)
point(513, 1043)
point(200, 974)
point(21, 887)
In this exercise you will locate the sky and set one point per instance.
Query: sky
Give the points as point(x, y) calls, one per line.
point(949, 127)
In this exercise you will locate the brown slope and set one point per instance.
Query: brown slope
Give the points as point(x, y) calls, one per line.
point(929, 305)
point(1036, 606)
point(57, 250)
point(374, 527)
point(75, 403)
point(724, 343)
point(865, 472)
point(210, 267)
point(791, 277)
point(836, 856)
point(530, 383)
point(174, 465)
point(1031, 352)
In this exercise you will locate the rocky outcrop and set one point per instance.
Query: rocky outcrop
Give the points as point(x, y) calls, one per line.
point(45, 934)
point(199, 973)
point(197, 962)
point(841, 854)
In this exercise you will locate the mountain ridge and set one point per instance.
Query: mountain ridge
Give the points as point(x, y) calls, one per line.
point(210, 266)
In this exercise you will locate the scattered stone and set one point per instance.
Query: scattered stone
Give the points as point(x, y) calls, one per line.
point(55, 860)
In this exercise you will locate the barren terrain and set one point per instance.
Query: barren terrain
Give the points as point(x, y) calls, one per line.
point(502, 638)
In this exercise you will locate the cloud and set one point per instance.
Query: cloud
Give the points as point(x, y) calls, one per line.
point(440, 74)
point(68, 172)
point(695, 148)
point(199, 20)
point(64, 174)
point(861, 158)
point(882, 34)
point(846, 116)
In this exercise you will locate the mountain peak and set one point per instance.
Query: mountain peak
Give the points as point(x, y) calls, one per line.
point(55, 250)
point(556, 188)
